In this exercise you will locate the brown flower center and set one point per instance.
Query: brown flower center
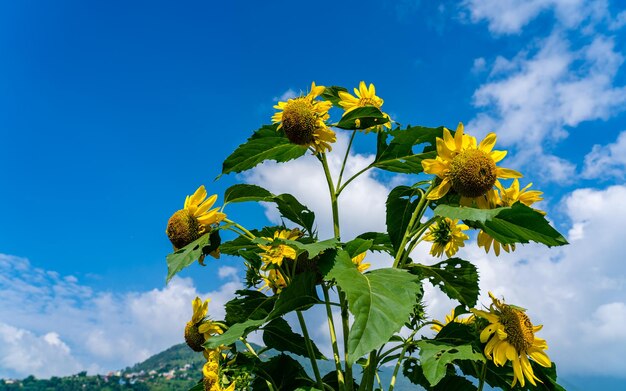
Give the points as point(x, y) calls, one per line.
point(299, 120)
point(472, 173)
point(193, 337)
point(183, 228)
point(518, 328)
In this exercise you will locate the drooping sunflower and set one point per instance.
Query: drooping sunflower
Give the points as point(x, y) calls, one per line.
point(194, 220)
point(358, 261)
point(211, 373)
point(275, 253)
point(365, 96)
point(467, 168)
point(193, 337)
point(451, 318)
point(447, 236)
point(304, 120)
point(502, 198)
point(510, 336)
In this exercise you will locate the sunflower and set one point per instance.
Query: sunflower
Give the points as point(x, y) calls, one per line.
point(211, 373)
point(365, 96)
point(451, 318)
point(274, 280)
point(194, 220)
point(304, 120)
point(358, 261)
point(275, 253)
point(467, 168)
point(447, 235)
point(510, 336)
point(502, 198)
point(193, 336)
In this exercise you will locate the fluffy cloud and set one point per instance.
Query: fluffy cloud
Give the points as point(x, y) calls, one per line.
point(510, 16)
point(608, 161)
point(532, 98)
point(53, 325)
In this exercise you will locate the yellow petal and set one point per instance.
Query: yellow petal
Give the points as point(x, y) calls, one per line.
point(497, 155)
point(540, 357)
point(488, 143)
point(517, 372)
point(507, 173)
point(434, 166)
point(449, 140)
point(458, 137)
point(440, 190)
point(528, 370)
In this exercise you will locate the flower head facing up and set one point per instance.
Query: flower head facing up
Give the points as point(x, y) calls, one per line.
point(510, 336)
point(447, 236)
point(276, 253)
point(358, 261)
point(304, 120)
point(467, 168)
point(194, 220)
point(363, 96)
point(437, 326)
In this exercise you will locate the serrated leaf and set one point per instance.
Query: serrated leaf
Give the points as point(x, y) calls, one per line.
point(357, 246)
point(278, 335)
point(381, 241)
point(455, 277)
point(265, 144)
point(521, 224)
point(401, 203)
point(312, 249)
point(362, 118)
point(380, 301)
point(299, 294)
point(436, 356)
point(250, 304)
point(244, 192)
point(233, 333)
point(398, 155)
point(283, 372)
point(290, 208)
point(466, 213)
point(184, 257)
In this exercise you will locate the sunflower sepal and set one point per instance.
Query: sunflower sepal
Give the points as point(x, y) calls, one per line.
point(362, 118)
point(187, 255)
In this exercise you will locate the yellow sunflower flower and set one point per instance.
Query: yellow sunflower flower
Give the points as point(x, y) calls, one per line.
point(211, 373)
point(304, 120)
point(193, 337)
point(194, 220)
point(447, 236)
point(510, 336)
point(358, 261)
point(465, 167)
point(273, 280)
point(365, 96)
point(275, 253)
point(502, 198)
point(451, 318)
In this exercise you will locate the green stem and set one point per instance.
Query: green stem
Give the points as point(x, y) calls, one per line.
point(333, 195)
point(309, 348)
point(353, 177)
point(346, 332)
point(248, 346)
point(248, 233)
point(333, 339)
point(483, 374)
point(345, 159)
point(415, 218)
point(399, 361)
point(417, 238)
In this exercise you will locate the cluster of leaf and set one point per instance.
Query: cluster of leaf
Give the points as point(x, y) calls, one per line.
point(381, 301)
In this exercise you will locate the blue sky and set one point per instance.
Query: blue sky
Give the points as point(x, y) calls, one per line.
point(113, 112)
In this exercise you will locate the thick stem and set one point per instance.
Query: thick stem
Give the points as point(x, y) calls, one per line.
point(249, 234)
point(333, 339)
point(483, 374)
point(333, 195)
point(309, 348)
point(346, 332)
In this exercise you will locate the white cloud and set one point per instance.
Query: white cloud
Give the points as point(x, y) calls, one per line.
point(510, 16)
point(57, 318)
point(480, 64)
point(531, 99)
point(608, 161)
point(289, 94)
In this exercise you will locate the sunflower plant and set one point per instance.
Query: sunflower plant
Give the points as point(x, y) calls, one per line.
point(377, 319)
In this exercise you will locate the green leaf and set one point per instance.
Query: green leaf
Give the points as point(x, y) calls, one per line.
point(436, 356)
point(233, 333)
point(401, 203)
point(197, 387)
point(331, 94)
point(398, 155)
point(521, 224)
point(357, 246)
point(278, 335)
point(455, 277)
point(367, 117)
point(184, 257)
point(251, 304)
point(298, 295)
point(265, 144)
point(380, 301)
point(312, 249)
point(283, 372)
point(243, 193)
point(456, 383)
point(381, 241)
point(291, 209)
point(466, 213)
